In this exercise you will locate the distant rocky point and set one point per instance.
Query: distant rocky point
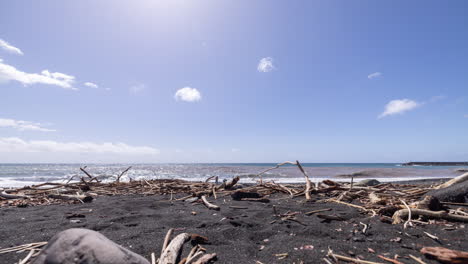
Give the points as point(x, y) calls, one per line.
point(437, 163)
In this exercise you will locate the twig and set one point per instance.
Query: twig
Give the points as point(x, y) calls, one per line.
point(417, 259)
point(409, 214)
point(167, 239)
point(122, 173)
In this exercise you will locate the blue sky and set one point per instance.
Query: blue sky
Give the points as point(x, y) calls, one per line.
point(233, 81)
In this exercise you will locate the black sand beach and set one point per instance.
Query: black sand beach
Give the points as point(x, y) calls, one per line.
point(247, 232)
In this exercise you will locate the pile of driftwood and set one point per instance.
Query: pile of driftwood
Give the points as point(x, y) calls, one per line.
point(396, 203)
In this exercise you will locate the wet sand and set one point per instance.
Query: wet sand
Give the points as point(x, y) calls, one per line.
point(140, 223)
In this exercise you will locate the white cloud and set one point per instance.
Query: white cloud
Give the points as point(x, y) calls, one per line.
point(137, 88)
point(17, 145)
point(466, 116)
point(10, 73)
point(235, 150)
point(6, 46)
point(266, 65)
point(399, 106)
point(23, 125)
point(374, 75)
point(90, 84)
point(188, 94)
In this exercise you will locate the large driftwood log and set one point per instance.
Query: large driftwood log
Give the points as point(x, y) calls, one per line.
point(403, 213)
point(457, 193)
point(172, 251)
point(12, 196)
point(446, 255)
point(459, 179)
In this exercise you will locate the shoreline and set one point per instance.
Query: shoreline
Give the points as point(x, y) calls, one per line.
point(248, 180)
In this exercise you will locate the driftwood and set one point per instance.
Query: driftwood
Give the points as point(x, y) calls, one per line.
point(456, 180)
point(166, 240)
point(83, 169)
point(374, 199)
point(446, 255)
point(208, 204)
point(308, 183)
point(12, 196)
point(231, 183)
point(172, 251)
point(122, 173)
point(403, 213)
point(206, 259)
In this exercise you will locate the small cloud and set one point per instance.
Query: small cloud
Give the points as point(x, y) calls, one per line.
point(398, 107)
point(137, 88)
point(235, 150)
point(9, 48)
point(466, 116)
point(10, 73)
point(92, 85)
point(23, 125)
point(107, 89)
point(188, 94)
point(266, 65)
point(374, 75)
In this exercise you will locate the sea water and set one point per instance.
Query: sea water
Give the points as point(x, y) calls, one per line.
point(16, 175)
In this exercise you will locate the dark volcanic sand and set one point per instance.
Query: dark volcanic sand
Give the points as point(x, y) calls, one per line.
point(141, 222)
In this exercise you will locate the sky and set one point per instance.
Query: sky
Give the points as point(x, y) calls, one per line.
point(233, 81)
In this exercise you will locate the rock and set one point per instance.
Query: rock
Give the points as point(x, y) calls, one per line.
point(368, 182)
point(457, 193)
point(75, 246)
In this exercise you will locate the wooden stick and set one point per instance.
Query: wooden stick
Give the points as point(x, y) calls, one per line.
point(208, 204)
point(272, 168)
point(348, 204)
point(122, 173)
point(192, 258)
point(205, 258)
point(417, 259)
point(317, 211)
point(394, 261)
point(459, 179)
point(25, 260)
point(308, 183)
point(85, 172)
point(167, 239)
point(409, 214)
point(12, 196)
point(172, 251)
point(398, 215)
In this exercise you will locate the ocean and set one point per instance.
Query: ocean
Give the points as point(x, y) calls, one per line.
point(17, 175)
